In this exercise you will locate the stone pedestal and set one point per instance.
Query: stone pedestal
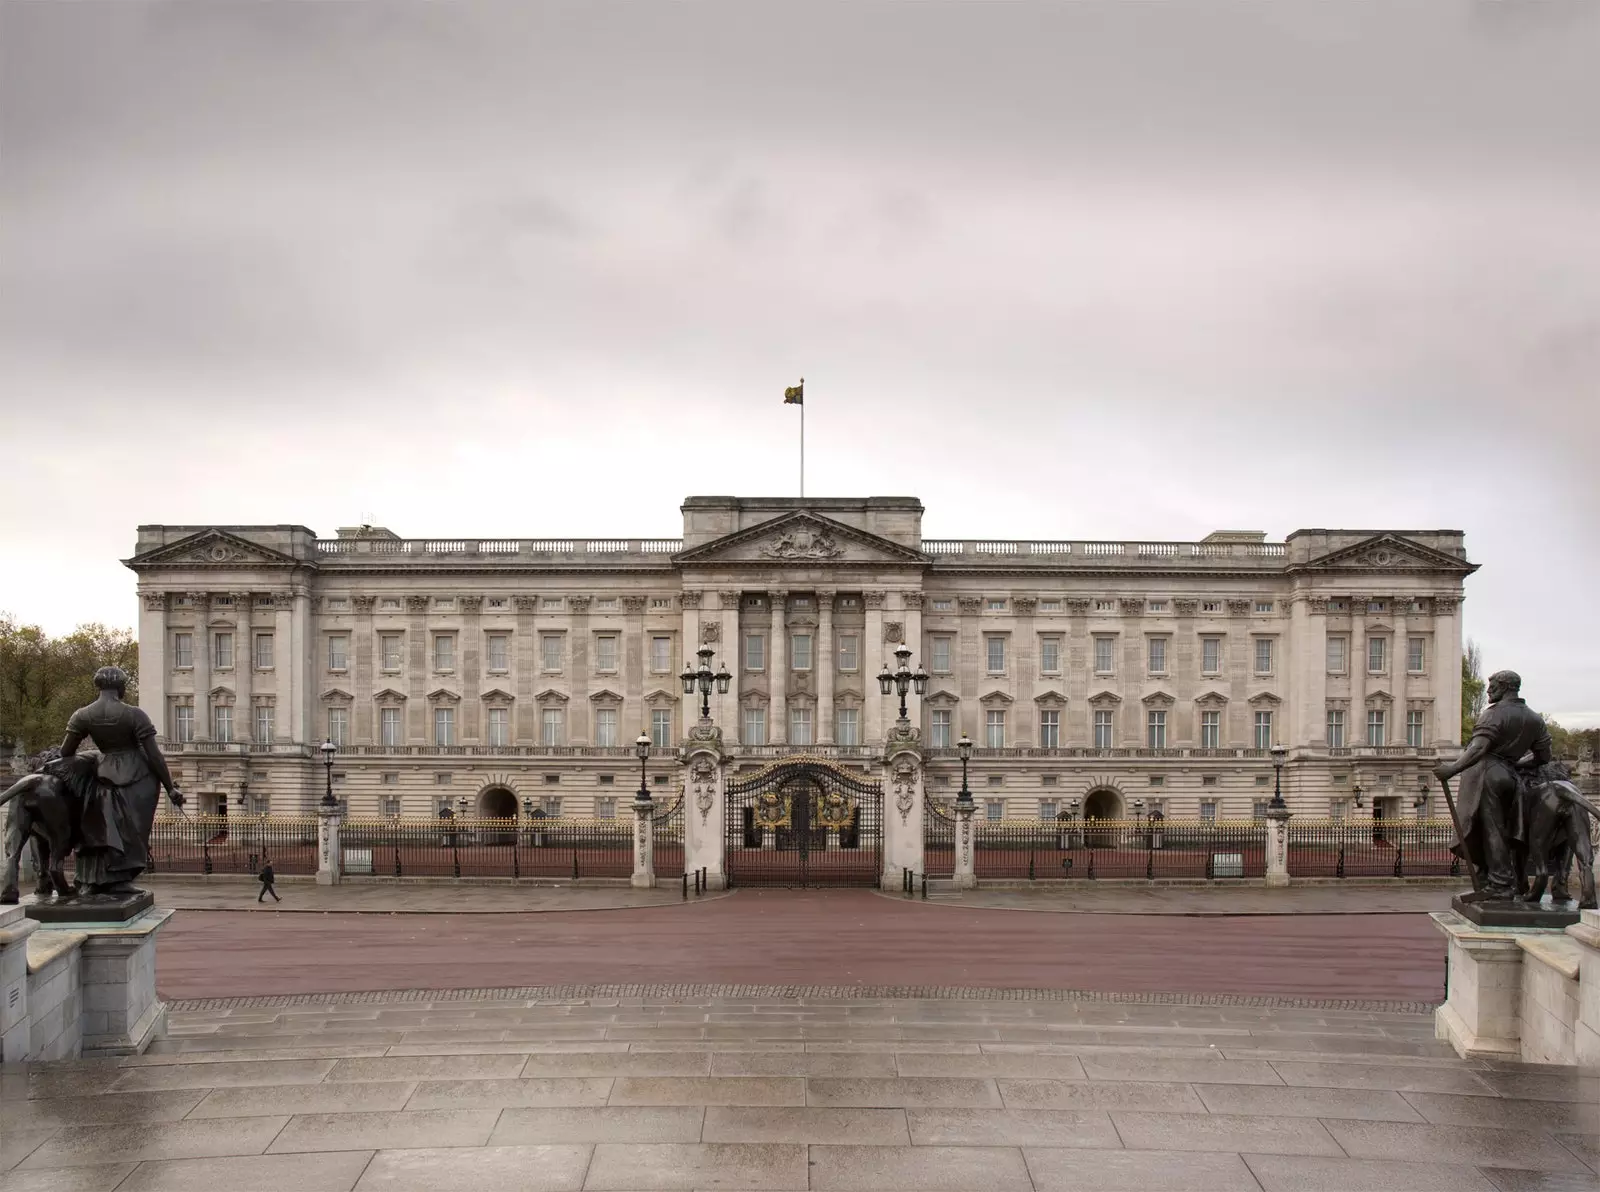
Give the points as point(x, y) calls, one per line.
point(330, 866)
point(121, 1013)
point(644, 845)
point(15, 1024)
point(704, 839)
point(1277, 846)
point(1586, 1027)
point(1480, 1016)
point(902, 814)
point(966, 873)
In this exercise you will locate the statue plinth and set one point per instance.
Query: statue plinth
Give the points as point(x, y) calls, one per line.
point(89, 908)
point(1512, 913)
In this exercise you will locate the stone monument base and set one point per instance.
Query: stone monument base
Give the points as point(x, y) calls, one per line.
point(88, 908)
point(1513, 913)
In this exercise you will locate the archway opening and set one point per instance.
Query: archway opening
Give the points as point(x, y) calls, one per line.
point(497, 802)
point(1102, 804)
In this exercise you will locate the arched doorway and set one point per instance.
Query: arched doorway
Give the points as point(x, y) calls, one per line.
point(1101, 804)
point(498, 803)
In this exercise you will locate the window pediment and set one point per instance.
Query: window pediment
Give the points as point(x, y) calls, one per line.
point(1211, 700)
point(1050, 699)
point(661, 698)
point(441, 695)
point(1379, 699)
point(1158, 699)
point(390, 696)
point(551, 696)
point(942, 699)
point(333, 695)
point(996, 697)
point(1264, 699)
point(605, 696)
point(1105, 699)
point(497, 696)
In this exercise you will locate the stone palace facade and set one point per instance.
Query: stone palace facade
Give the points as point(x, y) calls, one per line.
point(1102, 677)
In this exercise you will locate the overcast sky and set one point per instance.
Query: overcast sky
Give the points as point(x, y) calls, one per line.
point(1059, 269)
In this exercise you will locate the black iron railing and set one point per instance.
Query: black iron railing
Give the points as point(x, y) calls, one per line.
point(234, 844)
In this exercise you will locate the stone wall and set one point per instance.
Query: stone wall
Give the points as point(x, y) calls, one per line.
point(1549, 1007)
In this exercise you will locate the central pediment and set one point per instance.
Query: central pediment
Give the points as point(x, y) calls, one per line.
point(800, 539)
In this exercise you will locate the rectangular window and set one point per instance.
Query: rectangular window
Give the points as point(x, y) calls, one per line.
point(1377, 654)
point(1416, 727)
point(1335, 728)
point(222, 723)
point(1158, 655)
point(1338, 655)
point(847, 729)
point(183, 649)
point(995, 728)
point(942, 606)
point(339, 726)
point(263, 731)
point(800, 726)
point(263, 651)
point(1375, 727)
point(1211, 730)
point(1105, 606)
point(1104, 654)
point(755, 726)
point(939, 729)
point(389, 726)
point(1049, 606)
point(183, 723)
point(1155, 606)
point(1375, 606)
point(1211, 606)
point(605, 807)
point(499, 726)
point(1156, 722)
point(389, 651)
point(222, 650)
point(995, 605)
point(1263, 730)
point(605, 652)
point(755, 652)
point(850, 652)
point(444, 726)
point(1263, 606)
point(551, 804)
point(661, 727)
point(994, 810)
point(1416, 651)
point(1263, 655)
point(1258, 810)
point(1210, 655)
point(996, 647)
point(605, 727)
point(444, 652)
point(552, 726)
point(550, 652)
point(338, 652)
point(1208, 811)
point(660, 655)
point(941, 655)
point(499, 652)
point(1102, 728)
point(1048, 809)
point(800, 651)
point(1050, 655)
point(550, 603)
point(1049, 728)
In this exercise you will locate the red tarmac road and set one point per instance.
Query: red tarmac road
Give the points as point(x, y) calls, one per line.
point(778, 937)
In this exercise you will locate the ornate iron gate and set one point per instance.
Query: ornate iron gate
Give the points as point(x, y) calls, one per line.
point(938, 839)
point(804, 822)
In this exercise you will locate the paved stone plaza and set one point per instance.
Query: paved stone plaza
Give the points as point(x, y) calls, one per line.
point(703, 1091)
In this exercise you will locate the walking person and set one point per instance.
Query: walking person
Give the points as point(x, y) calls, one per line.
point(267, 877)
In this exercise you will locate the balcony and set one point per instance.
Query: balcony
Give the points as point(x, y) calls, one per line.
point(1200, 556)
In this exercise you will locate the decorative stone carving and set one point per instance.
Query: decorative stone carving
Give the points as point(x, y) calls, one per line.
point(779, 601)
point(417, 604)
point(1445, 606)
point(872, 599)
point(703, 778)
point(526, 604)
point(729, 597)
point(706, 733)
point(1026, 606)
point(914, 601)
point(633, 604)
point(364, 604)
point(802, 543)
point(1318, 605)
point(1078, 606)
point(902, 734)
point(217, 552)
point(1239, 607)
point(970, 604)
point(1132, 606)
point(155, 602)
point(1185, 607)
point(710, 633)
point(894, 631)
point(1358, 605)
point(905, 788)
point(689, 598)
point(579, 604)
point(470, 604)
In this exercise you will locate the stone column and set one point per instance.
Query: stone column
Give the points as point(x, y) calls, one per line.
point(873, 655)
point(364, 664)
point(732, 651)
point(1185, 665)
point(634, 661)
point(419, 653)
point(920, 655)
point(244, 669)
point(1277, 846)
point(330, 862)
point(283, 720)
point(902, 817)
point(581, 639)
point(202, 664)
point(1131, 674)
point(704, 828)
point(300, 645)
point(526, 669)
point(1356, 732)
point(153, 663)
point(826, 664)
point(1310, 724)
point(966, 842)
point(1079, 674)
point(1447, 671)
point(1023, 665)
point(1398, 665)
point(644, 844)
point(689, 600)
point(470, 664)
point(778, 670)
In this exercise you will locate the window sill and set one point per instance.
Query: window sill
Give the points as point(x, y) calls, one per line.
point(498, 670)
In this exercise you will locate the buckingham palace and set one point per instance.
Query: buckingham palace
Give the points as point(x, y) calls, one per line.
point(486, 674)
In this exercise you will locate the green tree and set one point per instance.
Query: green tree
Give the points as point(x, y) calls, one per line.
point(44, 679)
point(1472, 688)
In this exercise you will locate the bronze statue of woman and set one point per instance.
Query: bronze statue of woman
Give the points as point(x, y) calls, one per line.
point(115, 835)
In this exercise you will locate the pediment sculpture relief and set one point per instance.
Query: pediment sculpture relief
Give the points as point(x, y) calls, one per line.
point(802, 543)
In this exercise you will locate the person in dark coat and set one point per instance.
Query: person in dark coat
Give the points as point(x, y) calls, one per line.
point(267, 877)
point(115, 832)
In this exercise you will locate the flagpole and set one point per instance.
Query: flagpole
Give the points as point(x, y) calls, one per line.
point(802, 448)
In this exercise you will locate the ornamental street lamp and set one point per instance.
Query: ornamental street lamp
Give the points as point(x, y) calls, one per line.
point(1359, 804)
point(903, 679)
point(641, 750)
point(1421, 801)
point(329, 803)
point(964, 799)
point(1280, 754)
point(703, 678)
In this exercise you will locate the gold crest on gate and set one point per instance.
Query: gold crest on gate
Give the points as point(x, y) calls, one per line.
point(772, 809)
point(834, 810)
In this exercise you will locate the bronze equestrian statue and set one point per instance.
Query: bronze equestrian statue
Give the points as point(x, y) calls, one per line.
point(111, 817)
point(1511, 804)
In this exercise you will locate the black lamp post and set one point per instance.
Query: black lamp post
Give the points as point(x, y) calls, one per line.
point(703, 678)
point(1280, 754)
point(329, 803)
point(641, 749)
point(1358, 793)
point(903, 678)
point(1421, 800)
point(964, 799)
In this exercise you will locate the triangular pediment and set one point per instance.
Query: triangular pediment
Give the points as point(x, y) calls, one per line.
point(389, 694)
point(1158, 699)
point(1264, 699)
point(1211, 699)
point(1388, 553)
point(801, 538)
point(1105, 697)
point(996, 697)
point(212, 548)
point(498, 694)
point(442, 695)
point(1051, 698)
point(661, 696)
point(336, 695)
point(941, 699)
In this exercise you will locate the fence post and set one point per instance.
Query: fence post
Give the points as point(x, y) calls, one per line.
point(644, 844)
point(966, 871)
point(330, 863)
point(1277, 846)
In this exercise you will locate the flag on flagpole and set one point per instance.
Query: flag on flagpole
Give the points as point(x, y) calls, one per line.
point(795, 395)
